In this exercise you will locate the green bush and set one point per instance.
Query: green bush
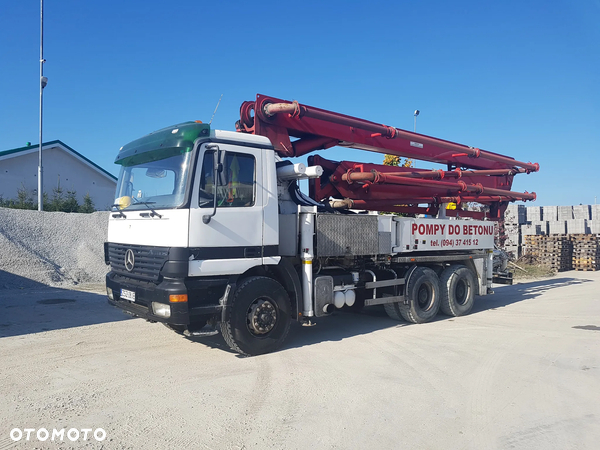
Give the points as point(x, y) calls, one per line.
point(88, 205)
point(58, 202)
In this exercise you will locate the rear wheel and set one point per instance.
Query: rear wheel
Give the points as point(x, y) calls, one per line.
point(393, 310)
point(457, 286)
point(258, 319)
point(423, 295)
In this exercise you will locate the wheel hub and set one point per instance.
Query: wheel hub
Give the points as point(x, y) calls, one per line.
point(423, 296)
point(461, 292)
point(262, 317)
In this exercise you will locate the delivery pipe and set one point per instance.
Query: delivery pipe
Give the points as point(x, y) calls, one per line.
point(460, 186)
point(297, 110)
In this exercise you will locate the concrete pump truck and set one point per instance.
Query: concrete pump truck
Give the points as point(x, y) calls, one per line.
point(210, 231)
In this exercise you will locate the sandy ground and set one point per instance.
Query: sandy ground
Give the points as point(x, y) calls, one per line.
point(522, 371)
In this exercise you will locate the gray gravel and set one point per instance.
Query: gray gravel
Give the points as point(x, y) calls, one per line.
point(51, 248)
point(521, 372)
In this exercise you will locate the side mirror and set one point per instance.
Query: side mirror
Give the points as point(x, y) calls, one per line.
point(217, 169)
point(217, 166)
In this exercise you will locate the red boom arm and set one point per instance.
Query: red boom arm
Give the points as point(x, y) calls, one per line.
point(379, 187)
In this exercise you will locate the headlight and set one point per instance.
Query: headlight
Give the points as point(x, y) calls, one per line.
point(162, 310)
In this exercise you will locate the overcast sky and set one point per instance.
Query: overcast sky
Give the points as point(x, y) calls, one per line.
point(512, 77)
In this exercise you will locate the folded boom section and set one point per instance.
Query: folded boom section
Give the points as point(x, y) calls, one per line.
point(472, 175)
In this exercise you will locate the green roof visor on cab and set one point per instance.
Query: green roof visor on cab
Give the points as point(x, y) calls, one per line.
point(161, 144)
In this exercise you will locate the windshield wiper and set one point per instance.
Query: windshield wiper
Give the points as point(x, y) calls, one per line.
point(154, 213)
point(119, 212)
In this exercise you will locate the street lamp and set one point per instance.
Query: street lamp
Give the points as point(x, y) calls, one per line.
point(417, 112)
point(43, 83)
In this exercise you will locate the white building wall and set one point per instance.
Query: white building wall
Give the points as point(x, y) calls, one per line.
point(74, 174)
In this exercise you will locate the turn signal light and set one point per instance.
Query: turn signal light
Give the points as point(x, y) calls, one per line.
point(181, 298)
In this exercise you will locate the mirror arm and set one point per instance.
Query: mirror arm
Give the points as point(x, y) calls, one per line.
point(206, 218)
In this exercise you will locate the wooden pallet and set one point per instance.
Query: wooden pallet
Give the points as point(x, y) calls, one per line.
point(590, 267)
point(584, 237)
point(558, 262)
point(561, 252)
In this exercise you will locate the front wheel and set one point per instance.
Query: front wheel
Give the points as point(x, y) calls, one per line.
point(258, 319)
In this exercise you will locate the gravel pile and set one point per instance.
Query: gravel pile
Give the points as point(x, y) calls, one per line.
point(52, 248)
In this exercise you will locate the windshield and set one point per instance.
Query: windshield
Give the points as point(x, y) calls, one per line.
point(154, 183)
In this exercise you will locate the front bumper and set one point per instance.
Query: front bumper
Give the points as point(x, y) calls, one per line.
point(203, 298)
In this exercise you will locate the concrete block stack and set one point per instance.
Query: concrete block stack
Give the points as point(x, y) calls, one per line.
point(550, 213)
point(514, 216)
point(523, 226)
point(594, 223)
point(581, 212)
point(577, 226)
point(534, 214)
point(557, 227)
point(543, 226)
point(532, 229)
point(565, 213)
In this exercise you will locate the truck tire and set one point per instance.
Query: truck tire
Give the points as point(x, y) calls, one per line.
point(393, 310)
point(457, 289)
point(258, 319)
point(423, 295)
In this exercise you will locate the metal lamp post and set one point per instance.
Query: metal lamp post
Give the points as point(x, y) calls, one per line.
point(43, 83)
point(417, 112)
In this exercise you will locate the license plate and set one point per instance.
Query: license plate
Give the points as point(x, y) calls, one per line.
point(127, 295)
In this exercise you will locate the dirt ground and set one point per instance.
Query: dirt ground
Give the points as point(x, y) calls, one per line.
point(522, 371)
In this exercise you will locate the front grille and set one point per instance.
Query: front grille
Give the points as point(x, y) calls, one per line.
point(148, 260)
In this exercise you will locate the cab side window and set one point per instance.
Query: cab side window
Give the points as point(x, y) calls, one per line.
point(236, 183)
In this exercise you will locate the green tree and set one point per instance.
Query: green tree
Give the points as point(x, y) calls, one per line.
point(396, 161)
point(57, 200)
point(70, 204)
point(24, 199)
point(88, 204)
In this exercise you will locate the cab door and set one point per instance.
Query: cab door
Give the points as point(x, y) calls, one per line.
point(232, 241)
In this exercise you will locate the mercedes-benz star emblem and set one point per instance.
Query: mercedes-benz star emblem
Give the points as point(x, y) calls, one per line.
point(129, 260)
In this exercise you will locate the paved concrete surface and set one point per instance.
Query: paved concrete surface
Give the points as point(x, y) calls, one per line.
point(522, 371)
